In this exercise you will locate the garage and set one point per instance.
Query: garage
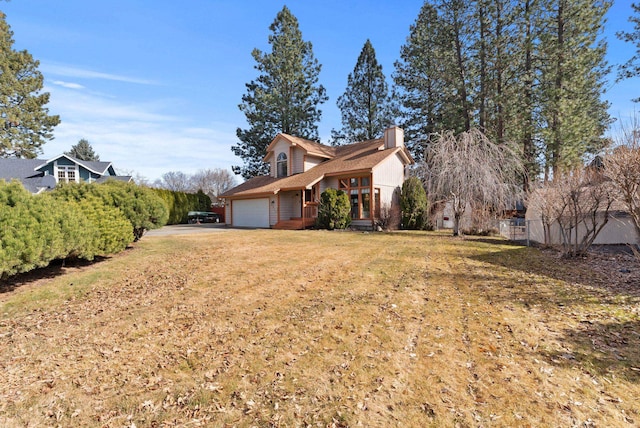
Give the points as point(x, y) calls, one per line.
point(250, 213)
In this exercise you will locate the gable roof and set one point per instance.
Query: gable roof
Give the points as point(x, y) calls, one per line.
point(96, 167)
point(311, 147)
point(351, 158)
point(24, 170)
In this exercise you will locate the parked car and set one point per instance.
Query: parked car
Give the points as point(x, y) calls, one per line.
point(202, 217)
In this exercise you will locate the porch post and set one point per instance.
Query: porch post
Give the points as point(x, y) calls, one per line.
point(302, 208)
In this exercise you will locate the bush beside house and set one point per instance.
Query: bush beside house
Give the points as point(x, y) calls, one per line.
point(334, 210)
point(413, 205)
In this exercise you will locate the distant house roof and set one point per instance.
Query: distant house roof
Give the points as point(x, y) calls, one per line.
point(96, 167)
point(30, 172)
point(343, 160)
point(24, 170)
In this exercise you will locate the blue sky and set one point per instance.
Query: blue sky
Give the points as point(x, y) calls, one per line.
point(155, 85)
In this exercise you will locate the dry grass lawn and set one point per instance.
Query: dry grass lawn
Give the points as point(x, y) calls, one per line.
point(316, 328)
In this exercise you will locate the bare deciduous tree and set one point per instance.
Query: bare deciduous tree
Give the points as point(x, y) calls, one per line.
point(622, 167)
point(578, 204)
point(176, 181)
point(471, 171)
point(213, 182)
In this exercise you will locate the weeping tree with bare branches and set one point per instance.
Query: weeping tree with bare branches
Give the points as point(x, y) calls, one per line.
point(471, 172)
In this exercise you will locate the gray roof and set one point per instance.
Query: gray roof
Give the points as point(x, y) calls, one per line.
point(25, 170)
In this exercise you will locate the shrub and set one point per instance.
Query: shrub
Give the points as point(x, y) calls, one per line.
point(140, 205)
point(413, 205)
point(334, 211)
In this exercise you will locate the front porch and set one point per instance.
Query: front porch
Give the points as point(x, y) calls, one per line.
point(297, 210)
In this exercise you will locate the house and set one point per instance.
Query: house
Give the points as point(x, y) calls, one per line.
point(38, 175)
point(370, 172)
point(619, 229)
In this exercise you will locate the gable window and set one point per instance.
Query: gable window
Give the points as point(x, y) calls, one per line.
point(66, 173)
point(359, 191)
point(281, 165)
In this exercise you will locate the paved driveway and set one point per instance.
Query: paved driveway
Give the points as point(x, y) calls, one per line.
point(186, 229)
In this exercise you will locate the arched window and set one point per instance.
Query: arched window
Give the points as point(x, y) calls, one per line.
point(282, 165)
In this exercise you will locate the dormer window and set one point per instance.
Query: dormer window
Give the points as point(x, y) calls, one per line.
point(281, 165)
point(66, 173)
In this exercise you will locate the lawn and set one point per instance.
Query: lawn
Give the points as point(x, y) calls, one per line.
point(316, 328)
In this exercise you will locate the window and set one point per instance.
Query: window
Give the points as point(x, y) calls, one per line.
point(359, 191)
point(66, 173)
point(281, 165)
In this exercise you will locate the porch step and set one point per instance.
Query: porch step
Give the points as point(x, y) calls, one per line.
point(294, 224)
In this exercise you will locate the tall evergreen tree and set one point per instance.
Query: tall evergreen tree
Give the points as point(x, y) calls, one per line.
point(24, 121)
point(572, 82)
point(83, 151)
point(631, 68)
point(284, 98)
point(420, 90)
point(365, 104)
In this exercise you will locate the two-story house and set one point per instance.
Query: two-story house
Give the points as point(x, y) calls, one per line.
point(38, 175)
point(370, 172)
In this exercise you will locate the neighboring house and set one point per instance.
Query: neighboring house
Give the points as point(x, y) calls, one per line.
point(370, 172)
point(38, 175)
point(619, 229)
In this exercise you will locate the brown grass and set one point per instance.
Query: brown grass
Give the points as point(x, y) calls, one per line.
point(276, 328)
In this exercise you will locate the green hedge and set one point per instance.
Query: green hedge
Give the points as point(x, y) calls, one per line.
point(74, 221)
point(36, 229)
point(180, 203)
point(139, 204)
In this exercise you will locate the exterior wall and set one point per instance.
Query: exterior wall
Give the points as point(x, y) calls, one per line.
point(311, 161)
point(388, 176)
point(48, 169)
point(297, 165)
point(273, 210)
point(618, 230)
point(331, 182)
point(227, 212)
point(290, 205)
point(281, 146)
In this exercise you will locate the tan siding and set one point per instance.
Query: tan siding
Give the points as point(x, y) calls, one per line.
point(388, 176)
point(280, 147)
point(298, 161)
point(273, 210)
point(227, 212)
point(311, 161)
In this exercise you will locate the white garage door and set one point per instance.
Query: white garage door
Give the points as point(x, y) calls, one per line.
point(251, 213)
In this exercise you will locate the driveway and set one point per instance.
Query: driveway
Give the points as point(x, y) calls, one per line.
point(186, 229)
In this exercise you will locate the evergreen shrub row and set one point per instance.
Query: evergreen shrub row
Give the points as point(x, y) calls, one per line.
point(180, 203)
point(73, 221)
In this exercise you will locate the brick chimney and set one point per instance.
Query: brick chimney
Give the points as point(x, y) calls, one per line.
point(393, 137)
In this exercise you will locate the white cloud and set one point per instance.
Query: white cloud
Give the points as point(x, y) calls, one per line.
point(139, 136)
point(72, 71)
point(68, 84)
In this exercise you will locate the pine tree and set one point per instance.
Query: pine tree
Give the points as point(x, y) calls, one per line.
point(419, 90)
point(632, 67)
point(284, 98)
point(83, 151)
point(365, 104)
point(24, 121)
point(572, 82)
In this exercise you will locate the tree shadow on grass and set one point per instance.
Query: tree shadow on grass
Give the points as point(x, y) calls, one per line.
point(600, 301)
point(54, 269)
point(606, 348)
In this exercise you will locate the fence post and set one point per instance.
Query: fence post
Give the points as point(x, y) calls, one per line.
point(528, 232)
